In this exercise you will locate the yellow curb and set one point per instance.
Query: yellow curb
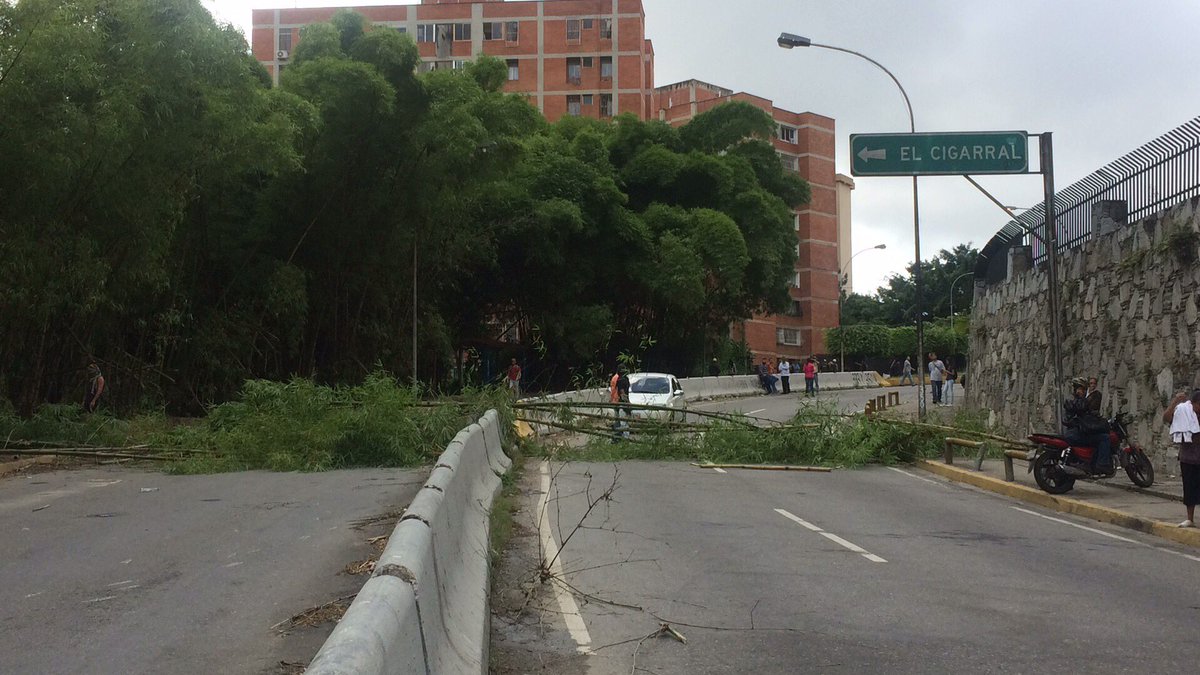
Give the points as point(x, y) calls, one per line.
point(1180, 535)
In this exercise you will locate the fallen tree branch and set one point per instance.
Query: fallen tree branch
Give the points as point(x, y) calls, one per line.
point(83, 452)
point(765, 467)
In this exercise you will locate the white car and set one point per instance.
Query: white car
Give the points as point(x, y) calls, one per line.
point(658, 389)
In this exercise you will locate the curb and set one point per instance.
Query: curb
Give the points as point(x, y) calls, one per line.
point(1158, 528)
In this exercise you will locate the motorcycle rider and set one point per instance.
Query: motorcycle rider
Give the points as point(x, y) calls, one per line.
point(1084, 427)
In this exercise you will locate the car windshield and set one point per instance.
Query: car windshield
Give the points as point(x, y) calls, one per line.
point(651, 385)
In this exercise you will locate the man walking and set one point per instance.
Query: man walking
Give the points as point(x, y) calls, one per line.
point(937, 377)
point(785, 375)
point(906, 373)
point(513, 378)
point(95, 387)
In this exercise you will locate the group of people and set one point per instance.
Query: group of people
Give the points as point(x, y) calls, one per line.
point(771, 376)
point(941, 379)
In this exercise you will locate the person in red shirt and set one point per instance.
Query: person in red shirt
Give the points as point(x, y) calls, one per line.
point(810, 378)
point(514, 379)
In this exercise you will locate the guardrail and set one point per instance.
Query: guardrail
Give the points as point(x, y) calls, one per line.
point(983, 447)
point(425, 608)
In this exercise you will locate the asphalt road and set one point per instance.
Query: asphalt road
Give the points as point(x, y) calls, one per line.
point(780, 408)
point(873, 570)
point(127, 571)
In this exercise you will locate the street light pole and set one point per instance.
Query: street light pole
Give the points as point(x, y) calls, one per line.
point(952, 283)
point(788, 41)
point(841, 282)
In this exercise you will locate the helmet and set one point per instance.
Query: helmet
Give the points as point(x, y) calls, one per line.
point(1079, 382)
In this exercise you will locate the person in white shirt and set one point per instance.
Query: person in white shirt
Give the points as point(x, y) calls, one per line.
point(1181, 414)
point(785, 373)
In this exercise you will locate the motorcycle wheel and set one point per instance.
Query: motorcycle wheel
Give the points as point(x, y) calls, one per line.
point(1049, 477)
point(1140, 469)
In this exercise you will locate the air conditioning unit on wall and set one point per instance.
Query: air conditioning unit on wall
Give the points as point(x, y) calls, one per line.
point(281, 55)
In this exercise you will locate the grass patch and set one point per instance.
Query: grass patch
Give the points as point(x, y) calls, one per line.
point(505, 506)
point(281, 426)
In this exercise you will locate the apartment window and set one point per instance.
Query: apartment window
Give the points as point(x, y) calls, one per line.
point(605, 29)
point(514, 70)
point(285, 39)
point(587, 99)
point(787, 336)
point(512, 31)
point(606, 67)
point(796, 281)
point(403, 30)
point(587, 24)
point(796, 221)
point(573, 30)
point(787, 134)
point(575, 70)
point(789, 162)
point(426, 32)
point(458, 65)
point(587, 62)
point(462, 32)
point(794, 309)
point(493, 30)
point(574, 105)
point(606, 105)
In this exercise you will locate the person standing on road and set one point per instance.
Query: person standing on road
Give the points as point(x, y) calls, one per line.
point(513, 378)
point(714, 369)
point(1182, 415)
point(907, 371)
point(810, 376)
point(937, 374)
point(785, 375)
point(95, 388)
point(951, 376)
point(816, 377)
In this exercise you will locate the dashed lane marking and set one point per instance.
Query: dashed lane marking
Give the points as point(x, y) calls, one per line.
point(719, 469)
point(831, 537)
point(1110, 535)
point(913, 475)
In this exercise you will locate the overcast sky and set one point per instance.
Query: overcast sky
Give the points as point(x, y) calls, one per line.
point(1105, 76)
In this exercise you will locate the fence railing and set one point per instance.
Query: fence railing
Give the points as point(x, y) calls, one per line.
point(1154, 177)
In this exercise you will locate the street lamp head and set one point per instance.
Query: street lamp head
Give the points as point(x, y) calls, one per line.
point(788, 40)
point(881, 246)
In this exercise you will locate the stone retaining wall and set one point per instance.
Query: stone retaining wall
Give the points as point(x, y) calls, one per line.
point(1129, 317)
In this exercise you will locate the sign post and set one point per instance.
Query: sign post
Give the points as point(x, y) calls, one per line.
point(939, 154)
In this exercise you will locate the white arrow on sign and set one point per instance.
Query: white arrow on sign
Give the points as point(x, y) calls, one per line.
point(866, 154)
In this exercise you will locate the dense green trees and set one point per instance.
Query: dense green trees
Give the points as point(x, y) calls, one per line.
point(164, 210)
point(895, 303)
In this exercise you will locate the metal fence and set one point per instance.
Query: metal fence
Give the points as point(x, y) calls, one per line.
point(1156, 176)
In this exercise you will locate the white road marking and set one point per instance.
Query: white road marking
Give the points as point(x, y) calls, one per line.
point(566, 602)
point(1093, 530)
point(126, 562)
point(107, 597)
point(232, 564)
point(913, 475)
point(33, 595)
point(831, 536)
point(719, 469)
point(1113, 536)
point(121, 583)
point(755, 412)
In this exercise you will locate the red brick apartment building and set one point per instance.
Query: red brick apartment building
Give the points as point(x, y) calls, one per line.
point(592, 58)
point(582, 57)
point(805, 143)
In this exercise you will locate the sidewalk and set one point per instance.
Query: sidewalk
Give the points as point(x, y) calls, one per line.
point(1156, 510)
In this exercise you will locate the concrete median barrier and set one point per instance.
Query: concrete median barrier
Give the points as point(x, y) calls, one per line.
point(425, 609)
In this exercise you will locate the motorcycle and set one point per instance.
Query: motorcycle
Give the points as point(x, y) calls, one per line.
point(1056, 464)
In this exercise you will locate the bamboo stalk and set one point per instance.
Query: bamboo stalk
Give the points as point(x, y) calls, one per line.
point(765, 467)
point(81, 452)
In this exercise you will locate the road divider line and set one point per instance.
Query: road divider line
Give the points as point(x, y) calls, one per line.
point(1110, 535)
point(913, 475)
point(851, 546)
point(719, 469)
point(566, 602)
point(755, 412)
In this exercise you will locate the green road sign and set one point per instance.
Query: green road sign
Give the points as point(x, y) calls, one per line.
point(939, 154)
